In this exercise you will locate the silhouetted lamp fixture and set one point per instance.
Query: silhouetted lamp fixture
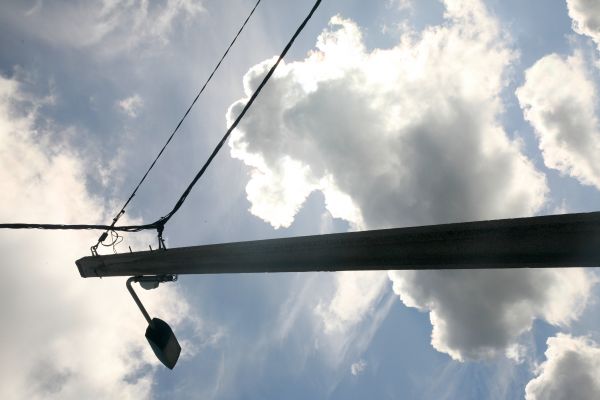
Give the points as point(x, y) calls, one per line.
point(159, 333)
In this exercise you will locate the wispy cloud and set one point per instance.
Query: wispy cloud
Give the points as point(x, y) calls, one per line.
point(358, 367)
point(109, 26)
point(131, 105)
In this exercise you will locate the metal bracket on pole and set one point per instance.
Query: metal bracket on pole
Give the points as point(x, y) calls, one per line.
point(147, 282)
point(101, 239)
point(161, 241)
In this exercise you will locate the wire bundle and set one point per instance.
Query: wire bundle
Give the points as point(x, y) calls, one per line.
point(160, 223)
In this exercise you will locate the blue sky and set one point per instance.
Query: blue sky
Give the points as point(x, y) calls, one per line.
point(390, 113)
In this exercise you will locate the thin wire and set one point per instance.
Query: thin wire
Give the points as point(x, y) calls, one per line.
point(187, 191)
point(122, 211)
point(159, 224)
point(114, 236)
point(123, 228)
point(116, 239)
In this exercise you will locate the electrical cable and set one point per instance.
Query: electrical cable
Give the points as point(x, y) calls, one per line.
point(122, 211)
point(235, 123)
point(74, 227)
point(160, 223)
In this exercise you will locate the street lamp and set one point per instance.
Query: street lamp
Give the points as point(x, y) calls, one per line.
point(159, 334)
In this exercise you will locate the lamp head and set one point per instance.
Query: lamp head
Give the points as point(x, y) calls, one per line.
point(163, 342)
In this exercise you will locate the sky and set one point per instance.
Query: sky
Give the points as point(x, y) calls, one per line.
point(384, 114)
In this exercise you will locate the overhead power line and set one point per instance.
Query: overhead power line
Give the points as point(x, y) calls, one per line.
point(74, 227)
point(122, 211)
point(159, 224)
point(235, 123)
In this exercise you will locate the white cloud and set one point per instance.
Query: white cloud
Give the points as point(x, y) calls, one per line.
point(400, 4)
point(115, 26)
point(585, 15)
point(407, 136)
point(559, 99)
point(63, 336)
point(478, 314)
point(571, 370)
point(355, 295)
point(342, 336)
point(358, 367)
point(131, 105)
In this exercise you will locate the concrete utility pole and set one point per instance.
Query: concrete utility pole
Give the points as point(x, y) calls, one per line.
point(570, 240)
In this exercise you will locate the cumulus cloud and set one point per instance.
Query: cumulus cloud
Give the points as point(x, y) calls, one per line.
point(563, 115)
point(408, 135)
point(131, 105)
point(63, 336)
point(477, 314)
point(115, 25)
point(585, 15)
point(400, 136)
point(571, 370)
